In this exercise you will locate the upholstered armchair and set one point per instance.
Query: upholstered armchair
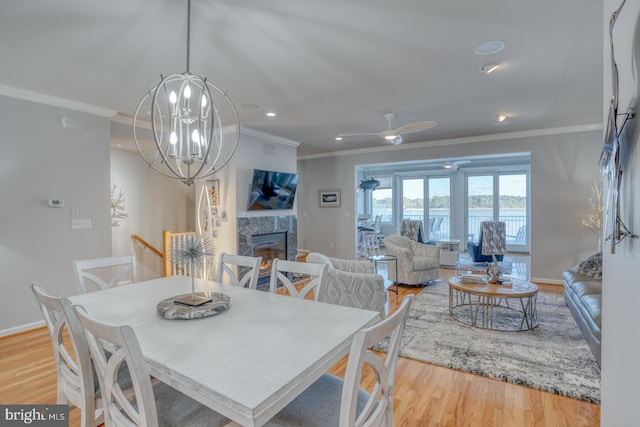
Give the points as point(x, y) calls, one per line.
point(475, 248)
point(351, 283)
point(418, 263)
point(411, 229)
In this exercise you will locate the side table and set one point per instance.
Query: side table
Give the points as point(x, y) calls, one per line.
point(449, 252)
point(375, 259)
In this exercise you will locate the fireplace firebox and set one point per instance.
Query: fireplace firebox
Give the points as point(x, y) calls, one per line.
point(269, 246)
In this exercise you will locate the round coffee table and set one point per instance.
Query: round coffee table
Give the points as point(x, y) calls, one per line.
point(494, 307)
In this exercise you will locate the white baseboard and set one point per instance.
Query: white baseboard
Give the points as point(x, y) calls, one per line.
point(546, 281)
point(21, 328)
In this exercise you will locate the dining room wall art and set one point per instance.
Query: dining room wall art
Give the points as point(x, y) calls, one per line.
point(213, 190)
point(329, 198)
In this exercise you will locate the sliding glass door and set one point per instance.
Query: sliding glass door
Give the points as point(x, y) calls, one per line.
point(437, 210)
point(499, 197)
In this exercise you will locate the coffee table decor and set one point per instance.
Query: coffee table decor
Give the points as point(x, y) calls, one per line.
point(465, 263)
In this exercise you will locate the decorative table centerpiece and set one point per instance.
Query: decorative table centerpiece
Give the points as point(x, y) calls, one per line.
point(194, 255)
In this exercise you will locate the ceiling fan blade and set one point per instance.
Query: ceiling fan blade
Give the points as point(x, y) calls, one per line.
point(416, 127)
point(359, 134)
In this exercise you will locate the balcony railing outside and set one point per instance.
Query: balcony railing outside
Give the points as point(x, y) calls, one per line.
point(439, 226)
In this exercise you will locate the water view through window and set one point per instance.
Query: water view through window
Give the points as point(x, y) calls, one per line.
point(489, 197)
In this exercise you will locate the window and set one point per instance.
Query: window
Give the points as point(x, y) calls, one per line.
point(437, 210)
point(382, 199)
point(510, 205)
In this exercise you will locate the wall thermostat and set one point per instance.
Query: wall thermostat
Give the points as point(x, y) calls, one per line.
point(56, 203)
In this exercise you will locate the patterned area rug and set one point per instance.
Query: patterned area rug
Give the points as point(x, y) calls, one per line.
point(553, 357)
point(465, 262)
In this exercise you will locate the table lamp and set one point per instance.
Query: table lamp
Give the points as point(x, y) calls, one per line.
point(494, 242)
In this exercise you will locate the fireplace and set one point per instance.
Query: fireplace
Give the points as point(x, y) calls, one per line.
point(269, 246)
point(259, 227)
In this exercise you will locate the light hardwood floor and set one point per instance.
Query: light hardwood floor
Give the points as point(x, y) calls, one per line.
point(425, 395)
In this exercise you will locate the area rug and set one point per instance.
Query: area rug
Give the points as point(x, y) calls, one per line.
point(465, 262)
point(553, 357)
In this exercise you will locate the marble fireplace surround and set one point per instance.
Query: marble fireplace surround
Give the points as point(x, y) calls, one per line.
point(250, 226)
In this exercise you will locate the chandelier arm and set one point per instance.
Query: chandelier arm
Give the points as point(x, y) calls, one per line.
point(158, 138)
point(237, 130)
point(135, 137)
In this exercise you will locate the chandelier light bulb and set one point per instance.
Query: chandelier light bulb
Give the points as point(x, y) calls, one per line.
point(173, 97)
point(195, 136)
point(173, 138)
point(187, 91)
point(204, 101)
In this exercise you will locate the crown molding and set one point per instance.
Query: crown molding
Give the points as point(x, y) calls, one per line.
point(267, 136)
point(126, 120)
point(40, 98)
point(464, 140)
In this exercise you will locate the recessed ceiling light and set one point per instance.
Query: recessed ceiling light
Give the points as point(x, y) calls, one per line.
point(490, 68)
point(338, 138)
point(502, 120)
point(493, 46)
point(271, 114)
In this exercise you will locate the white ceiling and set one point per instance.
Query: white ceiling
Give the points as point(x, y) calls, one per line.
point(325, 67)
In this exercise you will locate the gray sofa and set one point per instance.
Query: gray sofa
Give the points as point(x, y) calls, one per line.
point(583, 295)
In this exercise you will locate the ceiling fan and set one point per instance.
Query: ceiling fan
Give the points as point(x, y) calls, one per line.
point(455, 164)
point(394, 136)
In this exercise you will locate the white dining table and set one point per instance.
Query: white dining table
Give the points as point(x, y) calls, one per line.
point(246, 362)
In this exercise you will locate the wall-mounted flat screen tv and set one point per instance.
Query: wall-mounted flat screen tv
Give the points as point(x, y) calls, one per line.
point(272, 190)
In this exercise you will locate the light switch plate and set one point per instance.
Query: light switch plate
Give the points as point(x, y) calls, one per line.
point(80, 223)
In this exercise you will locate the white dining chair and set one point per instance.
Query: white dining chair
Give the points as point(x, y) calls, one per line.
point(74, 371)
point(151, 405)
point(311, 277)
point(335, 402)
point(246, 265)
point(104, 273)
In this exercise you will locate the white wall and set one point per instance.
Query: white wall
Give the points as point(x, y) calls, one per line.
point(153, 203)
point(563, 167)
point(621, 290)
point(42, 160)
point(256, 150)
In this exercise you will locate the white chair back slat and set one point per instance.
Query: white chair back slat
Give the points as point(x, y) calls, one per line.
point(285, 272)
point(104, 273)
point(230, 266)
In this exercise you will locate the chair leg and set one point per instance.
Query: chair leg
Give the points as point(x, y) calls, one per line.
point(371, 246)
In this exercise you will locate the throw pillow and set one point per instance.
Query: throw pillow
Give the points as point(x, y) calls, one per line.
point(591, 266)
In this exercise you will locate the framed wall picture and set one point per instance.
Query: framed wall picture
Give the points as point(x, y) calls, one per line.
point(213, 190)
point(329, 198)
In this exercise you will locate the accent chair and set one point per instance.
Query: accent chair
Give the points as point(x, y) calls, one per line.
point(351, 283)
point(475, 248)
point(418, 263)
